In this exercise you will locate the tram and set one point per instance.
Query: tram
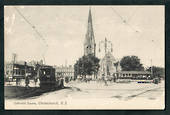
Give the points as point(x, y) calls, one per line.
point(45, 74)
point(48, 80)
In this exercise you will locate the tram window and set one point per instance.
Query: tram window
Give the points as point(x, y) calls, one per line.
point(48, 72)
point(22, 72)
point(48, 76)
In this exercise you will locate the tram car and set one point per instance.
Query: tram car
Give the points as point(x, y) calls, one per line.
point(45, 74)
point(47, 78)
point(20, 70)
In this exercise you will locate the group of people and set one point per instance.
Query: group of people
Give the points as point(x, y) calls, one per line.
point(103, 79)
point(108, 78)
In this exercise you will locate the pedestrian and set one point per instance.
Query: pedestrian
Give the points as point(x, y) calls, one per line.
point(17, 81)
point(114, 79)
point(62, 82)
point(27, 81)
point(105, 82)
point(35, 80)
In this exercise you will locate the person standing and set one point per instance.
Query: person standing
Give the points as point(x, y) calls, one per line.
point(26, 81)
point(114, 78)
point(35, 80)
point(62, 82)
point(17, 81)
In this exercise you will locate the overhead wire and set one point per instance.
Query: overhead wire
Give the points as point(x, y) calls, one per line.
point(130, 17)
point(124, 21)
point(33, 27)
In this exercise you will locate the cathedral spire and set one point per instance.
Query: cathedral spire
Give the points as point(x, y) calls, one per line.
point(90, 17)
point(89, 44)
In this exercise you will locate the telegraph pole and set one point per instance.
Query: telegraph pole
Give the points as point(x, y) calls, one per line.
point(105, 46)
point(151, 69)
point(14, 57)
point(13, 62)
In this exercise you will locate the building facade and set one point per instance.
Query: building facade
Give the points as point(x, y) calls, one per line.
point(64, 71)
point(8, 70)
point(18, 69)
point(109, 66)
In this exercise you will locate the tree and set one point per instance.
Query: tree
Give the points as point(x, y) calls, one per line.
point(86, 65)
point(131, 63)
point(157, 71)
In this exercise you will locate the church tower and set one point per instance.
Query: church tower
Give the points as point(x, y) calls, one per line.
point(89, 43)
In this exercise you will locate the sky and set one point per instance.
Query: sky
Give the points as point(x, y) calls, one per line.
point(57, 33)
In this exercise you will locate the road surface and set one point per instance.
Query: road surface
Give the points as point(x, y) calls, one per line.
point(93, 95)
point(121, 91)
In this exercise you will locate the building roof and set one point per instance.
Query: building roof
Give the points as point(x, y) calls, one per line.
point(22, 66)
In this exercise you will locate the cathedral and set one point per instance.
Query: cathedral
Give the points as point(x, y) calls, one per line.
point(108, 64)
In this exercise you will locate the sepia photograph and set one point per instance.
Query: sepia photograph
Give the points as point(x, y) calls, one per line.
point(109, 57)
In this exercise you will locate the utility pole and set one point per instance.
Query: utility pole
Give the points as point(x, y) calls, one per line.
point(14, 57)
point(13, 63)
point(151, 69)
point(25, 65)
point(105, 46)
